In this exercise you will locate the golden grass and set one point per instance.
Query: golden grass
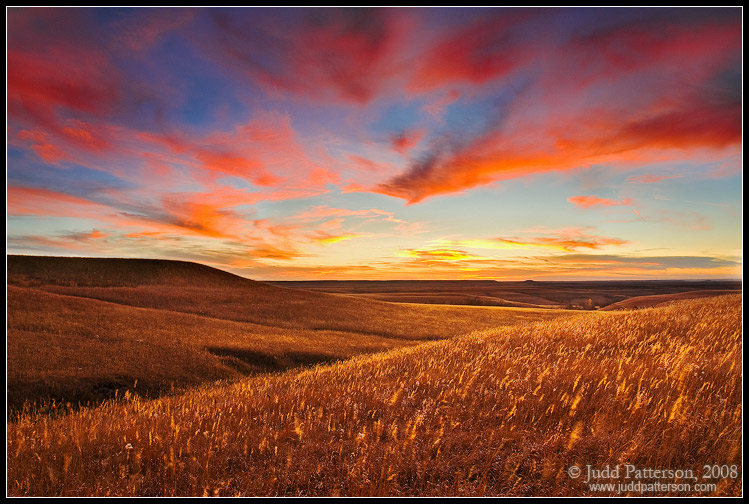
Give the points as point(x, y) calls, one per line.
point(79, 335)
point(640, 302)
point(497, 412)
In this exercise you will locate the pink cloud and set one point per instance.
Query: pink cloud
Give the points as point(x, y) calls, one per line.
point(485, 50)
point(37, 201)
point(565, 239)
point(405, 140)
point(349, 55)
point(629, 106)
point(591, 201)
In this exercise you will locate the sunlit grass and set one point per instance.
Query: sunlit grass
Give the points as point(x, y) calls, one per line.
point(79, 330)
point(495, 412)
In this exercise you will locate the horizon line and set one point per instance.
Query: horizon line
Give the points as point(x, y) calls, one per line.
point(257, 279)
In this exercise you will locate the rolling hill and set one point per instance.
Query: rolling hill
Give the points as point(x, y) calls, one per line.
point(497, 412)
point(85, 329)
point(639, 302)
point(529, 294)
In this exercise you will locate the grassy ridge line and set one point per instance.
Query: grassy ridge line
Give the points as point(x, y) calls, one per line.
point(33, 271)
point(80, 350)
point(296, 309)
point(197, 289)
point(499, 412)
point(447, 299)
point(640, 302)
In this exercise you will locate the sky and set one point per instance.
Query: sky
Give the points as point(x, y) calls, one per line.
point(402, 143)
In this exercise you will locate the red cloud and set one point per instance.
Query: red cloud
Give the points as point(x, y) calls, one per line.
point(345, 54)
point(231, 163)
point(405, 140)
point(74, 78)
point(36, 201)
point(485, 50)
point(697, 45)
point(41, 144)
point(669, 129)
point(591, 201)
point(627, 104)
point(253, 152)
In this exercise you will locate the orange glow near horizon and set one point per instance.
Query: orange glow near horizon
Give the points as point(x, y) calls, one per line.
point(382, 143)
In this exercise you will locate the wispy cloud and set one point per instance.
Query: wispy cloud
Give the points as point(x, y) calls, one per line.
point(439, 254)
point(650, 179)
point(263, 137)
point(592, 201)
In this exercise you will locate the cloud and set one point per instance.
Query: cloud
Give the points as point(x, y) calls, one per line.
point(215, 155)
point(650, 179)
point(361, 162)
point(327, 239)
point(323, 212)
point(183, 132)
point(486, 49)
point(439, 254)
point(94, 234)
point(592, 201)
point(56, 64)
point(264, 251)
point(77, 79)
point(142, 29)
point(339, 54)
point(647, 262)
point(204, 217)
point(43, 146)
point(565, 240)
point(628, 109)
point(264, 151)
point(45, 202)
point(406, 140)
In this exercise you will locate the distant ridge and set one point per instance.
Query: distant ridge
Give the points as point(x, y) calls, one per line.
point(115, 272)
point(81, 329)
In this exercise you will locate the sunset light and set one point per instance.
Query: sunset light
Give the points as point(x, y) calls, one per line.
point(398, 143)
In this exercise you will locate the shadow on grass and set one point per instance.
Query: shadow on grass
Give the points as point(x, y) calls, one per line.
point(54, 398)
point(252, 362)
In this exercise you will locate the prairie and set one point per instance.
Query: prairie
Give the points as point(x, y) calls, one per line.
point(495, 412)
point(529, 293)
point(639, 302)
point(81, 330)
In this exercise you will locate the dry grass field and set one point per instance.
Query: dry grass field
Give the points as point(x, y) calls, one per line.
point(504, 411)
point(82, 330)
point(586, 295)
point(639, 302)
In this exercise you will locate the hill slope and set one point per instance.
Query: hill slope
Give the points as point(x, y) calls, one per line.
point(640, 302)
point(528, 294)
point(499, 412)
point(191, 288)
point(80, 329)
